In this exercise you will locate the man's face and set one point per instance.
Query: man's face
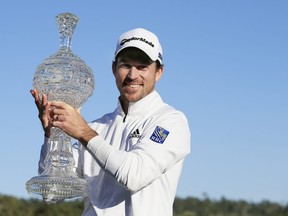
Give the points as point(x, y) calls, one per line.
point(135, 74)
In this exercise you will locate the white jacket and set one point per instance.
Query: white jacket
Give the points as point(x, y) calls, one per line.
point(134, 165)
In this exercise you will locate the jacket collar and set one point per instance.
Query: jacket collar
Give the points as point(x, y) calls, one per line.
point(149, 102)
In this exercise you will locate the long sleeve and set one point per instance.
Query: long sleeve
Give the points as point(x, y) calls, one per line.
point(148, 159)
point(43, 154)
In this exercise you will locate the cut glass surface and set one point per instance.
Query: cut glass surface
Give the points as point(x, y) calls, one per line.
point(62, 77)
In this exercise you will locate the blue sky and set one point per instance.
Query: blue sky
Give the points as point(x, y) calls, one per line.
point(226, 68)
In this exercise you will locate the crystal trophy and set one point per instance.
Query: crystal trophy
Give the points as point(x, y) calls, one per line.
point(62, 77)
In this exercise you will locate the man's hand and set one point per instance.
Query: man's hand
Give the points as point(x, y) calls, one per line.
point(69, 120)
point(43, 111)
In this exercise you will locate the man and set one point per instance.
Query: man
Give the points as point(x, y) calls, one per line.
point(132, 157)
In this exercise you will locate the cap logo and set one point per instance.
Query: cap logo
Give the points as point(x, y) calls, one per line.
point(138, 39)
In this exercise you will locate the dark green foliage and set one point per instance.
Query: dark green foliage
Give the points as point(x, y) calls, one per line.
point(223, 207)
point(11, 206)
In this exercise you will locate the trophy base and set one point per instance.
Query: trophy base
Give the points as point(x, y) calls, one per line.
point(56, 189)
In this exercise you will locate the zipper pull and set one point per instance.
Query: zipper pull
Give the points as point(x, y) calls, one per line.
point(124, 118)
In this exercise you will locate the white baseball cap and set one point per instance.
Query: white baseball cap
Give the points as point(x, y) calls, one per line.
point(143, 40)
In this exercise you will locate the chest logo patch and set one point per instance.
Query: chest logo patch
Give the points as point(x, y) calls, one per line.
point(135, 134)
point(159, 135)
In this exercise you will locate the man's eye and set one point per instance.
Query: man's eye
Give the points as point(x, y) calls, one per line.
point(126, 66)
point(142, 67)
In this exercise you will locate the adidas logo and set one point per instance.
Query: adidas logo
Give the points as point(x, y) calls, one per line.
point(135, 134)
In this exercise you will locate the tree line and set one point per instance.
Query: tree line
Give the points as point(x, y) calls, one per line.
point(224, 207)
point(190, 206)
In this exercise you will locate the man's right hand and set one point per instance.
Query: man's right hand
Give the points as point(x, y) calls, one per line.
point(43, 111)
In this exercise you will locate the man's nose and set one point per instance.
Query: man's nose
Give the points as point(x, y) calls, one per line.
point(133, 73)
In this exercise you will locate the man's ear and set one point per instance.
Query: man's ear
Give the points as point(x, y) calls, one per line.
point(114, 67)
point(159, 73)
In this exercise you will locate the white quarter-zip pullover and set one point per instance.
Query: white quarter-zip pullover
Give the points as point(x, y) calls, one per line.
point(134, 165)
